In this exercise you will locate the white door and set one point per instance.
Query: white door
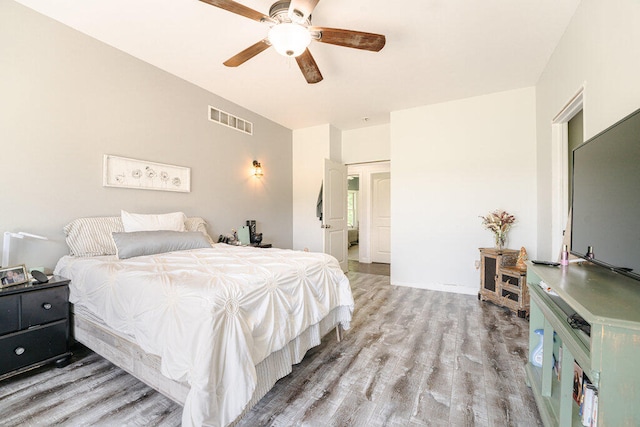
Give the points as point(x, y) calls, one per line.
point(334, 212)
point(381, 217)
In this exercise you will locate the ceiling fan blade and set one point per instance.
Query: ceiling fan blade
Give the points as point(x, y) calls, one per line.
point(309, 67)
point(239, 9)
point(350, 38)
point(247, 54)
point(299, 10)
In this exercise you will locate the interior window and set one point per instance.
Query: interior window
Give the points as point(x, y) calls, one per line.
point(352, 208)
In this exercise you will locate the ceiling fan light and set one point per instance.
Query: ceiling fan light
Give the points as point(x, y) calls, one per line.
point(289, 39)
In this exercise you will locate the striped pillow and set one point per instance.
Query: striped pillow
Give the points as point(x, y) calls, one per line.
point(92, 236)
point(197, 224)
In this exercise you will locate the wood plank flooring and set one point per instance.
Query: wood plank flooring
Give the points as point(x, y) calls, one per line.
point(371, 268)
point(412, 358)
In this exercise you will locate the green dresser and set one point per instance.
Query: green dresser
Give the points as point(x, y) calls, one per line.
point(609, 356)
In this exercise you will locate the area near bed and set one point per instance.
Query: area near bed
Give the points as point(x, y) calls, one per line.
point(213, 314)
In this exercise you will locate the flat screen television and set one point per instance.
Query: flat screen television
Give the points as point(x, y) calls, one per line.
point(606, 197)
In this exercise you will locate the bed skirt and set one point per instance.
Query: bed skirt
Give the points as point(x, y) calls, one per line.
point(123, 352)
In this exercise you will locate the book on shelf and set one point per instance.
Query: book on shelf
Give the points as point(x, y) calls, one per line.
point(588, 404)
point(577, 382)
point(594, 418)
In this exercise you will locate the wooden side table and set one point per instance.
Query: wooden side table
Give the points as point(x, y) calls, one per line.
point(514, 292)
point(501, 282)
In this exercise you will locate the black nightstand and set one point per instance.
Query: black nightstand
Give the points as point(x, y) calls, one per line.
point(34, 326)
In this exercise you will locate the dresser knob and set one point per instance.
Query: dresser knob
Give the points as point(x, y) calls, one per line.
point(47, 306)
point(19, 350)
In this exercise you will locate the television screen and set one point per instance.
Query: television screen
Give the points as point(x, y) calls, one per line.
point(606, 197)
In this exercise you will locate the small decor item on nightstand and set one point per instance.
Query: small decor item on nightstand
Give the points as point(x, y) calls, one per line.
point(39, 276)
point(244, 235)
point(13, 276)
point(252, 230)
point(499, 222)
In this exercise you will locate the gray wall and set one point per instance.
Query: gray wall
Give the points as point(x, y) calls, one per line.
point(67, 99)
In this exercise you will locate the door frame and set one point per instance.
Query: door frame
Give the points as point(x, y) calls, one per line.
point(364, 172)
point(560, 169)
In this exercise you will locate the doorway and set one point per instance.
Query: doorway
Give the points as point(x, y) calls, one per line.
point(353, 220)
point(562, 132)
point(369, 214)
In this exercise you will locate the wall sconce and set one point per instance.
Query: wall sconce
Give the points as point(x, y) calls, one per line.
point(6, 243)
point(257, 169)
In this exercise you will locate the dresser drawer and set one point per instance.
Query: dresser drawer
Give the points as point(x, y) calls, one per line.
point(44, 306)
point(9, 313)
point(25, 348)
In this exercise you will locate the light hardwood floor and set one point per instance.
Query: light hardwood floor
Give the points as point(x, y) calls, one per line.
point(412, 358)
point(372, 268)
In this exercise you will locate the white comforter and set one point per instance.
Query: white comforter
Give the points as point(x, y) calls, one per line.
point(210, 314)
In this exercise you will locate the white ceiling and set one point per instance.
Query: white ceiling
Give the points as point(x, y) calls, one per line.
point(437, 50)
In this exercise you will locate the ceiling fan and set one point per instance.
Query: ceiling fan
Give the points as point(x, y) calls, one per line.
point(291, 32)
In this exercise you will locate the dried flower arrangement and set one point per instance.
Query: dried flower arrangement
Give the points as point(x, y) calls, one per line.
point(499, 222)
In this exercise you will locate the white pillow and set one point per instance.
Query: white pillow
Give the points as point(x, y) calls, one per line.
point(139, 222)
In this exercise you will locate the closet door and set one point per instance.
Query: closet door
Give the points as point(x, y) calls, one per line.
point(381, 217)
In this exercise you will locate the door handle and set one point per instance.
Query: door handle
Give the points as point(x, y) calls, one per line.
point(325, 226)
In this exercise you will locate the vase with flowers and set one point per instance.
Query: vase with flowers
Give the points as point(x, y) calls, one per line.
point(499, 222)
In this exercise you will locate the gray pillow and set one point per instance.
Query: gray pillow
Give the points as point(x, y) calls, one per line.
point(139, 243)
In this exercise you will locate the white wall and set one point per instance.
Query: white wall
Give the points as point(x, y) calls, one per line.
point(310, 147)
point(67, 99)
point(367, 144)
point(600, 49)
point(451, 163)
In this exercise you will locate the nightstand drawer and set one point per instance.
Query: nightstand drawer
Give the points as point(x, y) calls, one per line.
point(44, 306)
point(9, 314)
point(25, 348)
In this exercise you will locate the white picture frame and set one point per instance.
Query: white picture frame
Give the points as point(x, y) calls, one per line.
point(124, 172)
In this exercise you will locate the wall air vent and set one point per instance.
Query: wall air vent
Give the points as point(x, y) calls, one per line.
point(229, 120)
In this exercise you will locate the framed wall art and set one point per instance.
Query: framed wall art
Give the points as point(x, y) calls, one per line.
point(143, 175)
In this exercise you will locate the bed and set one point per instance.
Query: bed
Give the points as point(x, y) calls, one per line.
point(212, 327)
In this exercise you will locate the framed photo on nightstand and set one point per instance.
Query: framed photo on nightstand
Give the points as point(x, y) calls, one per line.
point(10, 276)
